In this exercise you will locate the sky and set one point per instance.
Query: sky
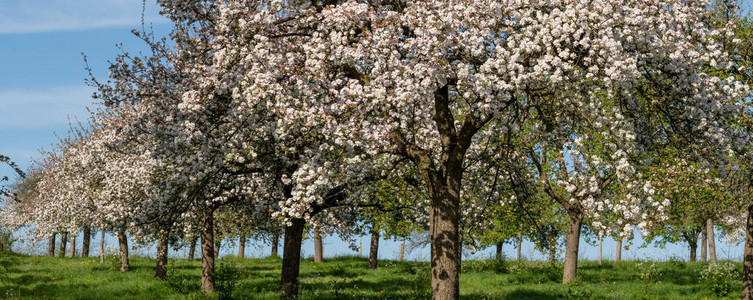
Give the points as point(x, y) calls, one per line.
point(42, 89)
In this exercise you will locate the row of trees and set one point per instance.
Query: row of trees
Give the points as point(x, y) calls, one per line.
point(474, 121)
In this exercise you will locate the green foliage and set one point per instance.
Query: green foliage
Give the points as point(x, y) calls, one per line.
point(227, 277)
point(498, 266)
point(719, 278)
point(6, 240)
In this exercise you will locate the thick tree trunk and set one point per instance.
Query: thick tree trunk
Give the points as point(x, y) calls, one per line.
point(72, 250)
point(125, 266)
point(318, 247)
point(571, 250)
point(401, 254)
point(51, 245)
point(520, 242)
point(748, 257)
point(291, 259)
point(63, 243)
point(374, 251)
point(275, 244)
point(499, 250)
point(217, 246)
point(207, 253)
point(86, 241)
point(445, 239)
point(242, 245)
point(192, 248)
point(618, 251)
point(601, 239)
point(704, 241)
point(102, 248)
point(160, 272)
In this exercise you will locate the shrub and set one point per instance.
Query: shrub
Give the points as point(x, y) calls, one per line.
point(718, 278)
point(226, 277)
point(6, 240)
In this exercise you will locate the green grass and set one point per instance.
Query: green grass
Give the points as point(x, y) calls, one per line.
point(31, 277)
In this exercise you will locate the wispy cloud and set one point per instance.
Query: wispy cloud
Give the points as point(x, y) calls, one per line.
point(25, 16)
point(23, 109)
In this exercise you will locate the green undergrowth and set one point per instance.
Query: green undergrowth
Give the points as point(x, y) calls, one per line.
point(31, 277)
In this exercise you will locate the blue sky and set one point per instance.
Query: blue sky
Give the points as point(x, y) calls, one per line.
point(42, 87)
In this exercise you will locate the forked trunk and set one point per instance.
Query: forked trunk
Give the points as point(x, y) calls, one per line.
point(571, 249)
point(242, 245)
point(72, 251)
point(51, 245)
point(401, 254)
point(86, 241)
point(704, 240)
point(102, 248)
point(374, 251)
point(748, 257)
point(291, 259)
point(275, 244)
point(160, 271)
point(618, 251)
point(63, 243)
point(192, 248)
point(207, 253)
point(318, 247)
point(499, 250)
point(125, 266)
point(693, 245)
point(712, 243)
point(520, 242)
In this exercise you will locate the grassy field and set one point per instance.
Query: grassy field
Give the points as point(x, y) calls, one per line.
point(27, 277)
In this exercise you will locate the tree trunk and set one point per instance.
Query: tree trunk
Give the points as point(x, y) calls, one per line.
point(374, 251)
point(704, 241)
point(102, 248)
point(601, 239)
point(72, 251)
point(160, 272)
point(51, 245)
point(217, 246)
point(63, 244)
point(291, 259)
point(192, 248)
point(571, 250)
point(499, 250)
point(401, 254)
point(275, 243)
point(520, 241)
point(86, 241)
point(552, 252)
point(242, 245)
point(711, 241)
point(207, 253)
point(618, 251)
point(318, 247)
point(693, 244)
point(125, 266)
point(445, 239)
point(748, 257)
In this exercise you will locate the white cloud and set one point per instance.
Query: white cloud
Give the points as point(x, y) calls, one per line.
point(25, 16)
point(23, 109)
